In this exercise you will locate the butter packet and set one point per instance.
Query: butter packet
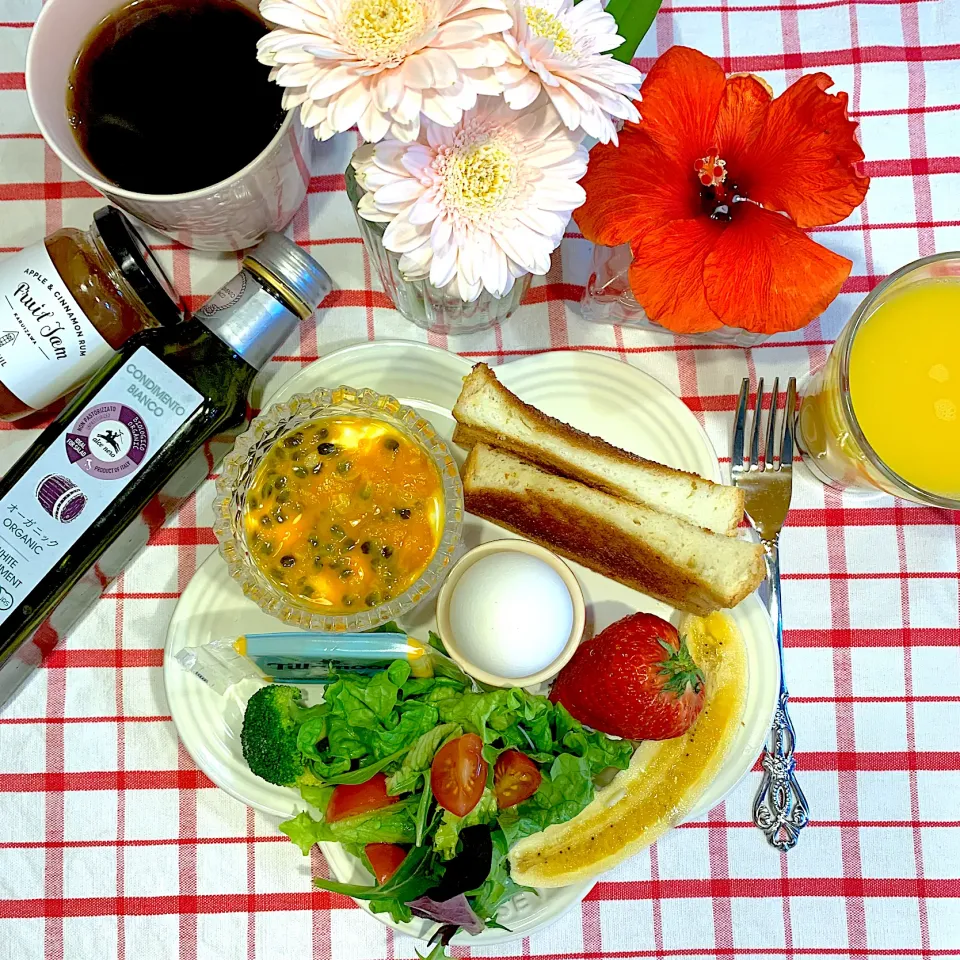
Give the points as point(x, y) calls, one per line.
point(310, 657)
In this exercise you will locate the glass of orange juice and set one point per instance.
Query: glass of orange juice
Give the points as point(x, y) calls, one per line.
point(884, 411)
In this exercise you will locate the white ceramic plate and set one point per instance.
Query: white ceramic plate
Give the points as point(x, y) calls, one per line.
point(595, 393)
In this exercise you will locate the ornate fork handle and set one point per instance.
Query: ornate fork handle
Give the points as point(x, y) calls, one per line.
point(780, 809)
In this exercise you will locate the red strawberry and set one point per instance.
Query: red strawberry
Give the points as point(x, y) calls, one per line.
point(636, 679)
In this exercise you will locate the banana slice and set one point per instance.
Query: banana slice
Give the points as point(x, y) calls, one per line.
point(664, 781)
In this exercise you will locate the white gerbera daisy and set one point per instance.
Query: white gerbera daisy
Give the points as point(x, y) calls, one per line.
point(379, 64)
point(561, 49)
point(480, 204)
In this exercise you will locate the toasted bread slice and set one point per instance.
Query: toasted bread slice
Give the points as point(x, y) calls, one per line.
point(487, 412)
point(658, 553)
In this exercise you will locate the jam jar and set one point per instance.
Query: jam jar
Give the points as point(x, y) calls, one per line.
point(68, 303)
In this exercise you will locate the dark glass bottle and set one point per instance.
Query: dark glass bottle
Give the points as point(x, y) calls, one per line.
point(80, 502)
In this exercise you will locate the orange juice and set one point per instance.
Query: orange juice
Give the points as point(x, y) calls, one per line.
point(884, 412)
point(905, 384)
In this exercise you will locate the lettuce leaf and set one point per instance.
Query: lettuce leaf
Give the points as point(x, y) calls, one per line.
point(564, 791)
point(448, 833)
point(393, 824)
point(420, 756)
point(499, 887)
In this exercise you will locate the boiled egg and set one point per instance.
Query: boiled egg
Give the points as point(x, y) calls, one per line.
point(510, 614)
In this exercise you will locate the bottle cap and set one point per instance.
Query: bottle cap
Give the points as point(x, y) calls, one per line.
point(138, 265)
point(294, 268)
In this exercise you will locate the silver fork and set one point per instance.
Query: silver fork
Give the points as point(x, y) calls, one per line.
point(780, 809)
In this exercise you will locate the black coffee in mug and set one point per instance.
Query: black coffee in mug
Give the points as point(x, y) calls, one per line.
point(167, 96)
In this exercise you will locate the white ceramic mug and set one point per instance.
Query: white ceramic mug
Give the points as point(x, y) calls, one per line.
point(231, 215)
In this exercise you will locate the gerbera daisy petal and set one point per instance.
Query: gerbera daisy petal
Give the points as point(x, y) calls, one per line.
point(667, 275)
point(681, 96)
point(373, 124)
point(522, 94)
point(478, 192)
point(363, 57)
point(766, 274)
point(802, 162)
point(561, 48)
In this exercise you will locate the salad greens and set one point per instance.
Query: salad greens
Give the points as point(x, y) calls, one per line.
point(393, 724)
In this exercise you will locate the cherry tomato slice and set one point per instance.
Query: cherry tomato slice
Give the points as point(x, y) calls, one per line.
point(515, 777)
point(385, 858)
point(459, 774)
point(348, 800)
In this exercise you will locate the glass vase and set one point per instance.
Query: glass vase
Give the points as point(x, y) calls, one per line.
point(432, 308)
point(608, 298)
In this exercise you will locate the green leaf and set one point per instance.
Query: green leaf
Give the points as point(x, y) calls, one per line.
point(412, 879)
point(363, 774)
point(423, 812)
point(499, 887)
point(328, 772)
point(437, 952)
point(475, 711)
point(634, 18)
point(415, 719)
point(398, 910)
point(448, 833)
point(393, 824)
point(309, 735)
point(420, 757)
point(562, 794)
point(302, 830)
point(317, 797)
point(344, 739)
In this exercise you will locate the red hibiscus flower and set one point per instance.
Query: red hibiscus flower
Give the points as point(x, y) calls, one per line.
point(712, 190)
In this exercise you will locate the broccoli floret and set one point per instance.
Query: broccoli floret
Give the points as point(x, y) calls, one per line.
point(269, 736)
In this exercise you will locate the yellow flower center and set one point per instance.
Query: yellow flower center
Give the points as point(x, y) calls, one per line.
point(381, 29)
point(477, 180)
point(546, 25)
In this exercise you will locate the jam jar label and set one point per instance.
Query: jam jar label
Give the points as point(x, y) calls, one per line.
point(48, 346)
point(85, 469)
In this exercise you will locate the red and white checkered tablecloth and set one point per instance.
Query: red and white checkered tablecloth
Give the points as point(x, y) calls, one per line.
point(112, 844)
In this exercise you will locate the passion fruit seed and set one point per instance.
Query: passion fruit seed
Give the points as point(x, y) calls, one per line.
point(288, 561)
point(325, 449)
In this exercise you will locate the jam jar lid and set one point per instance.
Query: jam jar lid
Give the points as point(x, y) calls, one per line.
point(138, 265)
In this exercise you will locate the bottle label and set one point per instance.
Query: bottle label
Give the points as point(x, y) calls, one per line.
point(48, 345)
point(85, 468)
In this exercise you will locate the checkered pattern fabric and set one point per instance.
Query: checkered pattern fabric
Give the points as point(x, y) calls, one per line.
point(112, 844)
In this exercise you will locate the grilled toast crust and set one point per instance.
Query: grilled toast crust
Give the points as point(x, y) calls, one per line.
point(468, 433)
point(550, 515)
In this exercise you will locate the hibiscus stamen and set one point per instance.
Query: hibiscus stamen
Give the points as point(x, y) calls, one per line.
point(379, 30)
point(711, 170)
point(717, 195)
point(544, 24)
